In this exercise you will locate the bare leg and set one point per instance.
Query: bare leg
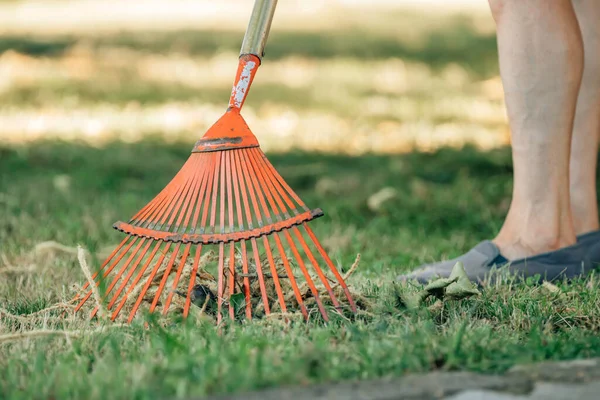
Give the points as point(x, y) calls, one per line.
point(541, 62)
point(586, 132)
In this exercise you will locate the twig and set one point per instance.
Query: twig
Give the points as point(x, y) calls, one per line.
point(203, 309)
point(350, 271)
point(29, 317)
point(353, 267)
point(13, 316)
point(88, 276)
point(52, 245)
point(8, 267)
point(54, 307)
point(35, 315)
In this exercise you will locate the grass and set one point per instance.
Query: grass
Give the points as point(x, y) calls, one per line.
point(396, 81)
point(448, 201)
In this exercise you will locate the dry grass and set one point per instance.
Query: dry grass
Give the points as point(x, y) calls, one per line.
point(205, 295)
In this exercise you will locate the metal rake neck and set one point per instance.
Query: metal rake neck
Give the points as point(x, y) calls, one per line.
point(253, 49)
point(257, 32)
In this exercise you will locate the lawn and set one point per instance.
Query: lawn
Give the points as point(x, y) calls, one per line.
point(67, 179)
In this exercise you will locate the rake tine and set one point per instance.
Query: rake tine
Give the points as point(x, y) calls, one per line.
point(272, 197)
point(131, 272)
point(290, 274)
point(183, 196)
point(182, 211)
point(279, 193)
point(244, 169)
point(188, 205)
point(281, 181)
point(186, 251)
point(307, 250)
point(309, 280)
point(162, 210)
point(275, 275)
point(188, 299)
point(231, 275)
point(213, 210)
point(135, 281)
point(105, 263)
point(246, 280)
point(148, 212)
point(261, 278)
point(315, 264)
point(257, 188)
point(266, 242)
point(231, 283)
point(249, 186)
point(209, 190)
point(163, 281)
point(158, 199)
point(190, 200)
point(157, 221)
point(108, 271)
point(228, 173)
point(221, 272)
point(146, 286)
point(271, 192)
point(242, 173)
point(261, 198)
point(148, 216)
point(188, 197)
point(141, 214)
point(220, 282)
point(331, 266)
point(119, 274)
point(243, 242)
point(196, 204)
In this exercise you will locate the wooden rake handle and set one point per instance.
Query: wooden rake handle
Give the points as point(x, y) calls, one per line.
point(257, 32)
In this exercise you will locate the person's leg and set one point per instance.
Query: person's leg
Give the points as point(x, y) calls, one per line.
point(541, 62)
point(586, 131)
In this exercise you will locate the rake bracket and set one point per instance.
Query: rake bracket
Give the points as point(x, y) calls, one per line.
point(216, 238)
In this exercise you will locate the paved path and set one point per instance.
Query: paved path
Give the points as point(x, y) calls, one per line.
point(572, 380)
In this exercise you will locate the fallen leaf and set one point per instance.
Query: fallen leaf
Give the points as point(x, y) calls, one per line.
point(462, 287)
point(437, 288)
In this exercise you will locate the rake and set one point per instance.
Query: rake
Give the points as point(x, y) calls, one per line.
point(229, 197)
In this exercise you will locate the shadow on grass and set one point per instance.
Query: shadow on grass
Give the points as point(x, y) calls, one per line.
point(438, 195)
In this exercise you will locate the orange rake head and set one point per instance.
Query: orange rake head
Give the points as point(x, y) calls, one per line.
point(227, 197)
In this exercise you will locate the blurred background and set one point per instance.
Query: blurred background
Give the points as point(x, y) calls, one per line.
point(339, 76)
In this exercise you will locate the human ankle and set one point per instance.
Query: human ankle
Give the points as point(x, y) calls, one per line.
point(585, 222)
point(585, 213)
point(517, 247)
point(525, 235)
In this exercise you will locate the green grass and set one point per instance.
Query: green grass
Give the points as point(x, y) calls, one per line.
point(407, 69)
point(448, 201)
